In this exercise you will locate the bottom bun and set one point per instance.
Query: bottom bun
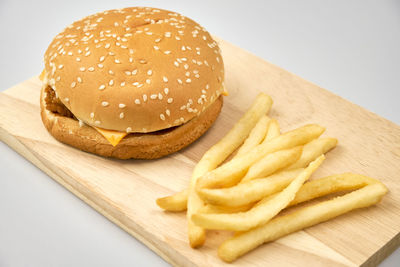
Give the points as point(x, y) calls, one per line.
point(135, 145)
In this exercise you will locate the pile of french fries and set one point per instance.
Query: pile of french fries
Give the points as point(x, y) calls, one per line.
point(268, 174)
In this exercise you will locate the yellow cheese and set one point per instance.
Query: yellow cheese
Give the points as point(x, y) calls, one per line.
point(114, 137)
point(41, 76)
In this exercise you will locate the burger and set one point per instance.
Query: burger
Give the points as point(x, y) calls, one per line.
point(136, 82)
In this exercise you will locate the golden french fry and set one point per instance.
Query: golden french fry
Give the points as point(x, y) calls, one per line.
point(260, 214)
point(216, 155)
point(175, 202)
point(331, 184)
point(280, 226)
point(272, 163)
point(232, 172)
point(256, 136)
point(178, 201)
point(313, 150)
point(249, 192)
point(225, 209)
point(273, 130)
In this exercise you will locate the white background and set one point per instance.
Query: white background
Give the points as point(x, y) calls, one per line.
point(348, 47)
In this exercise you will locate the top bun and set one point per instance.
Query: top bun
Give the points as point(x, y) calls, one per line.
point(136, 69)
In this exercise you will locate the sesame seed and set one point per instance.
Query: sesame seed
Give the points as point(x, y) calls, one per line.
point(137, 101)
point(111, 72)
point(184, 59)
point(79, 51)
point(104, 103)
point(58, 78)
point(166, 91)
point(117, 61)
point(167, 34)
point(153, 96)
point(160, 96)
point(130, 60)
point(186, 66)
point(169, 100)
point(92, 115)
point(128, 72)
point(149, 72)
point(79, 79)
point(167, 112)
point(107, 46)
point(149, 33)
point(87, 53)
point(111, 82)
point(183, 48)
point(121, 115)
point(207, 87)
point(78, 59)
point(188, 80)
point(187, 73)
point(90, 69)
point(157, 40)
point(73, 84)
point(167, 52)
point(102, 58)
point(60, 66)
point(70, 53)
point(179, 81)
point(129, 129)
point(148, 81)
point(102, 87)
point(122, 84)
point(162, 117)
point(121, 105)
point(100, 66)
point(144, 97)
point(176, 63)
point(97, 122)
point(134, 72)
point(111, 53)
point(156, 47)
point(165, 79)
point(66, 99)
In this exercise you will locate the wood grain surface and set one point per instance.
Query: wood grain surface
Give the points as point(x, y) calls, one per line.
point(125, 191)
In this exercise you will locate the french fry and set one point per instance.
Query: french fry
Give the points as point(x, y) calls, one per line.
point(272, 163)
point(256, 135)
point(232, 172)
point(313, 150)
point(302, 218)
point(178, 201)
point(260, 214)
point(216, 155)
point(248, 192)
point(273, 130)
point(225, 209)
point(331, 184)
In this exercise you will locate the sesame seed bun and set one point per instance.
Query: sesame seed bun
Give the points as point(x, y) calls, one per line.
point(135, 145)
point(135, 70)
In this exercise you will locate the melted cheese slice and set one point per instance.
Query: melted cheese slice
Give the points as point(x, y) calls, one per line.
point(41, 76)
point(114, 137)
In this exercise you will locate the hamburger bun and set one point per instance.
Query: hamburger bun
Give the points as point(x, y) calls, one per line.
point(152, 73)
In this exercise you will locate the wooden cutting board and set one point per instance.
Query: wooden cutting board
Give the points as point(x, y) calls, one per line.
point(125, 191)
